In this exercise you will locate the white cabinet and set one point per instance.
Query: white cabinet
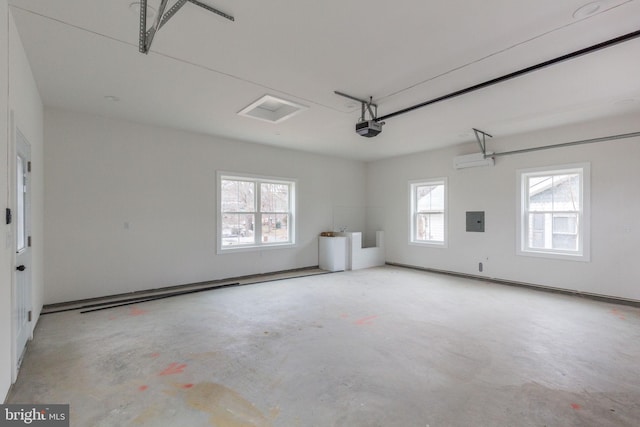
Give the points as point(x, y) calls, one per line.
point(332, 253)
point(359, 257)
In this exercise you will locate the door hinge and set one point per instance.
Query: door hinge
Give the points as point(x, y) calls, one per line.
point(28, 166)
point(29, 315)
point(29, 241)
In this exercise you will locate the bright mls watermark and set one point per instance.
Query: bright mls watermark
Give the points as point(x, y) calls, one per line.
point(34, 415)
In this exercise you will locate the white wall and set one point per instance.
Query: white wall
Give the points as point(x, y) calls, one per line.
point(614, 269)
point(5, 251)
point(101, 173)
point(23, 99)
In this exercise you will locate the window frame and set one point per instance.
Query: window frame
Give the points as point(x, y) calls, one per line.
point(258, 244)
point(583, 232)
point(413, 185)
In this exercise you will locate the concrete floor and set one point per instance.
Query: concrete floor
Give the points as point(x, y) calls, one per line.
point(379, 347)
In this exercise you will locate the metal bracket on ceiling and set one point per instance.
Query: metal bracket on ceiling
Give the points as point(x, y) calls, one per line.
point(146, 35)
point(365, 106)
point(482, 142)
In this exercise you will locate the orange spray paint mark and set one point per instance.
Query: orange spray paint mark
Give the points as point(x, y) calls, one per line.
point(365, 320)
point(187, 386)
point(143, 387)
point(173, 368)
point(135, 311)
point(616, 312)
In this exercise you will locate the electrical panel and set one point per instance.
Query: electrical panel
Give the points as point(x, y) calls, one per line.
point(475, 221)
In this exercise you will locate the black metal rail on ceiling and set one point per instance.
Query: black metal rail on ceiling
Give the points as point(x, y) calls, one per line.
point(568, 56)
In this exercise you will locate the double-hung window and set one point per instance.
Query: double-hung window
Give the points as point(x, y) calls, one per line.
point(255, 212)
point(428, 212)
point(554, 212)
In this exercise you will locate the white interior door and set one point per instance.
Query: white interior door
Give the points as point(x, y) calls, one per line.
point(22, 221)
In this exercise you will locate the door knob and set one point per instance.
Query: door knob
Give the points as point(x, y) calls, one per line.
point(21, 268)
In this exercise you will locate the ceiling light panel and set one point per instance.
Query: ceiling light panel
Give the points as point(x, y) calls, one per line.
point(272, 109)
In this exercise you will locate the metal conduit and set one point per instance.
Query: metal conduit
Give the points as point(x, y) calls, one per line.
point(566, 144)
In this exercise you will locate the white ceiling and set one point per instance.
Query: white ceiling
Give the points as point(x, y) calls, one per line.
point(203, 69)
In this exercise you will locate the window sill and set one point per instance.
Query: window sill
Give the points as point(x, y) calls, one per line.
point(254, 248)
point(439, 245)
point(555, 255)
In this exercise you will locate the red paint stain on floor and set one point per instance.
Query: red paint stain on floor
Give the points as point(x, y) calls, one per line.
point(143, 387)
point(365, 320)
point(154, 355)
point(173, 368)
point(135, 311)
point(187, 386)
point(616, 312)
point(344, 315)
point(576, 406)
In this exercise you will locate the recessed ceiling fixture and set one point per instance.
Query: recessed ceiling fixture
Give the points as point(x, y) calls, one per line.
point(272, 109)
point(589, 9)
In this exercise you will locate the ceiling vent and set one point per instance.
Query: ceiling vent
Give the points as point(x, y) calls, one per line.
point(272, 109)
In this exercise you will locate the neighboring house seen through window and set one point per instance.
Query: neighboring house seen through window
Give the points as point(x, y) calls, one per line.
point(554, 212)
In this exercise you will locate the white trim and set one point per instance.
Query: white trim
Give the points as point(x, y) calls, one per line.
point(11, 153)
point(256, 247)
point(429, 181)
point(583, 253)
